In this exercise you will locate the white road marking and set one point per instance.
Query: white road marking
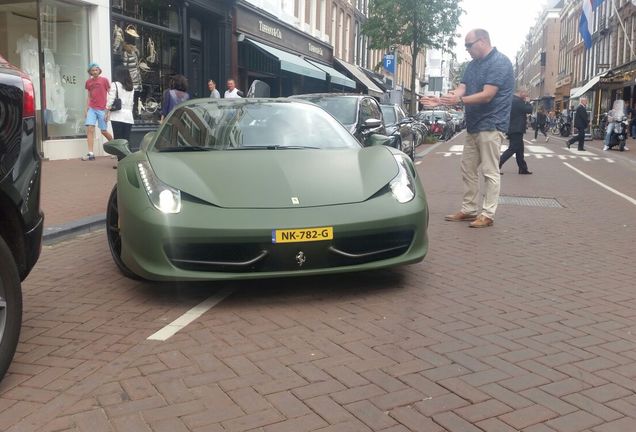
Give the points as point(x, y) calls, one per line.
point(191, 315)
point(418, 162)
point(580, 153)
point(603, 185)
point(538, 149)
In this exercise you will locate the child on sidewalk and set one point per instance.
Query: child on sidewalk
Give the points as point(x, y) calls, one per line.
point(96, 112)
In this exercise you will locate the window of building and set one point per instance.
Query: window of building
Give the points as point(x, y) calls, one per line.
point(62, 50)
point(150, 51)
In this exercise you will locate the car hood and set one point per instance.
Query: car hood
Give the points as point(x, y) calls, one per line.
point(272, 178)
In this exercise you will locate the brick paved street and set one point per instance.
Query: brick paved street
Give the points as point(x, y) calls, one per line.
point(526, 326)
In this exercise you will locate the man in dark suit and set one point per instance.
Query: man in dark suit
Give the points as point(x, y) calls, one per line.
point(581, 120)
point(518, 115)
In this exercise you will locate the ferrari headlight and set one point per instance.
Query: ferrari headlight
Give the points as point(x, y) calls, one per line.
point(165, 198)
point(402, 186)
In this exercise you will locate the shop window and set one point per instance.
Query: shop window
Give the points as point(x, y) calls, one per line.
point(61, 54)
point(152, 56)
point(64, 43)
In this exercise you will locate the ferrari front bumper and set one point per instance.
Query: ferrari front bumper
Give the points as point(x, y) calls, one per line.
point(204, 242)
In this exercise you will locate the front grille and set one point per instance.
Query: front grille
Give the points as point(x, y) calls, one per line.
point(268, 257)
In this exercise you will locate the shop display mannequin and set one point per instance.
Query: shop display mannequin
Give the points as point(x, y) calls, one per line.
point(130, 56)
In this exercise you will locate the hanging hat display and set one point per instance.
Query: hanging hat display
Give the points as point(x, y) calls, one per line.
point(132, 31)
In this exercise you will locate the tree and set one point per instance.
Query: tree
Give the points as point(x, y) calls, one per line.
point(457, 72)
point(419, 24)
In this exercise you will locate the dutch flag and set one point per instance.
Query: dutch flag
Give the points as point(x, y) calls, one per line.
point(587, 21)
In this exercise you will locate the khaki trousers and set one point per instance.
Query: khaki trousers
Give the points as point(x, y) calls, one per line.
point(481, 151)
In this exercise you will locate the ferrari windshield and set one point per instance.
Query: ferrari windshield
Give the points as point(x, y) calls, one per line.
point(251, 125)
point(343, 108)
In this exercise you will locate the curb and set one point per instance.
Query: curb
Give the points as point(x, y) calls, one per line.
point(58, 233)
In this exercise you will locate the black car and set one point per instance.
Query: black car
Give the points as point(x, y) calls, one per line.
point(399, 126)
point(361, 114)
point(21, 220)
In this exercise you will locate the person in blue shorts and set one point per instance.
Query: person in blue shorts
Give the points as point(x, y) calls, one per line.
point(96, 112)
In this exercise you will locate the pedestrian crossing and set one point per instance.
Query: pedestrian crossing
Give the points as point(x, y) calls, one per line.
point(541, 152)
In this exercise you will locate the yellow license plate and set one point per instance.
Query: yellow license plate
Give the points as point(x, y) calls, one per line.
point(302, 235)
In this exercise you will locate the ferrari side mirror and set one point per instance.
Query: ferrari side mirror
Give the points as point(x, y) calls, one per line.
point(117, 147)
point(371, 124)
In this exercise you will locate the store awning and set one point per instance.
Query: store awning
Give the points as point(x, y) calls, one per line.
point(577, 92)
point(361, 77)
point(335, 76)
point(291, 62)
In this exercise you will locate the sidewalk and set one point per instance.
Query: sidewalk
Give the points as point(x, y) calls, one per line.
point(75, 194)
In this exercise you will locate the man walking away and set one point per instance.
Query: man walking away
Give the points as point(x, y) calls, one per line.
point(486, 89)
point(581, 120)
point(518, 113)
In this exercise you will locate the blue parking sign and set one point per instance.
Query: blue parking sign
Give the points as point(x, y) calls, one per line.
point(389, 63)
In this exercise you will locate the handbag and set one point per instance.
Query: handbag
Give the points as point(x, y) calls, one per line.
point(116, 105)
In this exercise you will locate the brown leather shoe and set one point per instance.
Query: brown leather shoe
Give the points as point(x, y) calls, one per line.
point(460, 217)
point(481, 222)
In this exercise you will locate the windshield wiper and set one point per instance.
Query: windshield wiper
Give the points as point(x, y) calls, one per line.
point(272, 147)
point(184, 149)
point(296, 147)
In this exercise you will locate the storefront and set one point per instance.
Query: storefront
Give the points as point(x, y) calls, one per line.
point(157, 39)
point(287, 59)
point(53, 41)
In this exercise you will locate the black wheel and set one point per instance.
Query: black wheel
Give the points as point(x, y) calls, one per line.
point(10, 307)
point(114, 236)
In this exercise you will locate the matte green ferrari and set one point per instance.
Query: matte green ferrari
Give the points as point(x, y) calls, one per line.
point(256, 188)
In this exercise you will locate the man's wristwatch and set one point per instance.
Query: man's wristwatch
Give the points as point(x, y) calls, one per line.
point(461, 100)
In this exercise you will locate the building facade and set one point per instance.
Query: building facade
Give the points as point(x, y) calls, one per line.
point(603, 73)
point(289, 60)
point(537, 63)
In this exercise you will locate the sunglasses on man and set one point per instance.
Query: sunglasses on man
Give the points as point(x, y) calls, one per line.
point(469, 45)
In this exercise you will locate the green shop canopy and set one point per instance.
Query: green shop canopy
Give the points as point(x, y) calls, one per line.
point(291, 62)
point(336, 77)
